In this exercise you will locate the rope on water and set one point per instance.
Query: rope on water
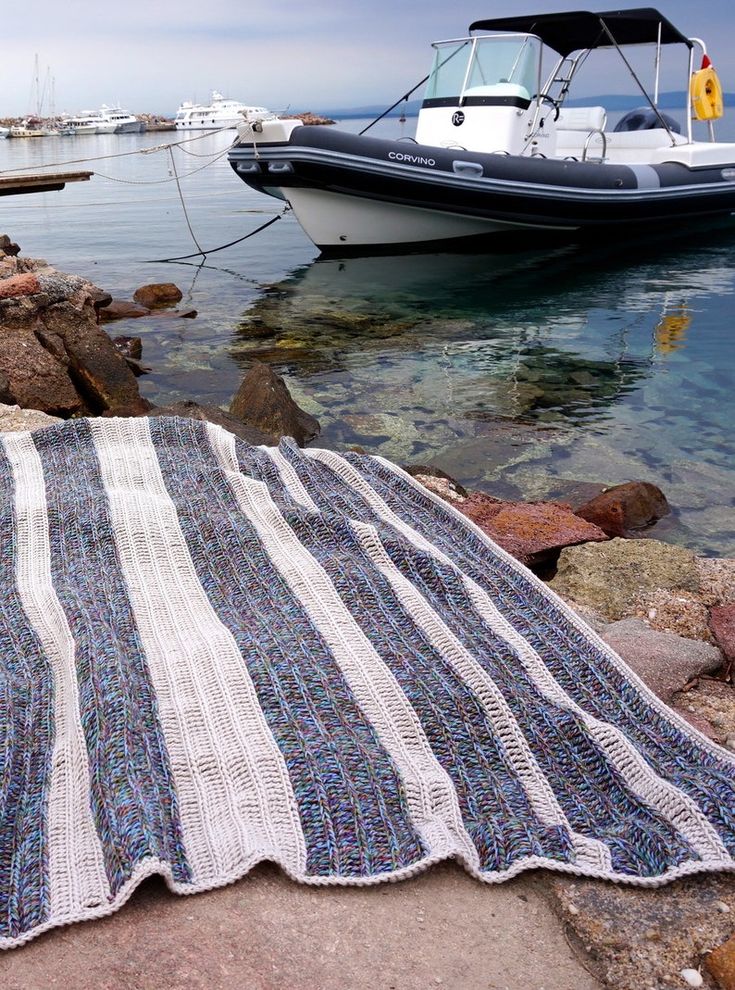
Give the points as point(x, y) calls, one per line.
point(203, 254)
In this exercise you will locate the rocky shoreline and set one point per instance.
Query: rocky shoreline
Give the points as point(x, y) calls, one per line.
point(668, 612)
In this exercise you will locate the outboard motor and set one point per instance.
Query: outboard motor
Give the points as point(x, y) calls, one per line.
point(644, 119)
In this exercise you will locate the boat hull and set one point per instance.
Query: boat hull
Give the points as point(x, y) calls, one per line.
point(349, 191)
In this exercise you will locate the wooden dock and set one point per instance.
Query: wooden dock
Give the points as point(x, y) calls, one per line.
point(17, 184)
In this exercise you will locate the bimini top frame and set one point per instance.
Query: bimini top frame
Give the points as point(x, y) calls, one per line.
point(573, 31)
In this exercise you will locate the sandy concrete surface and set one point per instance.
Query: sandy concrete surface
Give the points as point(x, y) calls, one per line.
point(441, 929)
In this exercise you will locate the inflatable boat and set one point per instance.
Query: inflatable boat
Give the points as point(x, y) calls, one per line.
point(499, 149)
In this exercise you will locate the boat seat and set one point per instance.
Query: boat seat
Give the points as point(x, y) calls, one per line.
point(581, 119)
point(499, 89)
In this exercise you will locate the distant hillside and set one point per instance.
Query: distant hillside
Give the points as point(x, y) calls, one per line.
point(611, 101)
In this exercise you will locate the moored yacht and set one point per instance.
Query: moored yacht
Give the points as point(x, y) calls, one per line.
point(89, 122)
point(125, 123)
point(499, 150)
point(219, 114)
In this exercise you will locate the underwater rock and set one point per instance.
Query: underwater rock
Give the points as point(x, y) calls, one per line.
point(263, 401)
point(533, 532)
point(158, 294)
point(633, 505)
point(121, 309)
point(609, 576)
point(662, 660)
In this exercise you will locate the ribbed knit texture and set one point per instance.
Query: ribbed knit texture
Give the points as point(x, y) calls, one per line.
point(213, 654)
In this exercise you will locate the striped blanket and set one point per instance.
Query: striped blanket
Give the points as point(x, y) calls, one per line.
point(213, 654)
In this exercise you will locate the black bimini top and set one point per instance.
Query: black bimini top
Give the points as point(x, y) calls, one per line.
point(579, 30)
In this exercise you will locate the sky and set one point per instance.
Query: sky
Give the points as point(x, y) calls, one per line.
point(149, 55)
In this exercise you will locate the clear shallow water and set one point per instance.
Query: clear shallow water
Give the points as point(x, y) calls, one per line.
point(522, 374)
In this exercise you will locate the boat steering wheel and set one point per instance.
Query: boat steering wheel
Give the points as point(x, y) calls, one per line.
point(545, 98)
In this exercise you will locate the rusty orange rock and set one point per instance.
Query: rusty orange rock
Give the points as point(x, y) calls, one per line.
point(26, 284)
point(721, 964)
point(533, 532)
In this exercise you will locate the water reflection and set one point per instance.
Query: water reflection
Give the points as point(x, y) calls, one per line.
point(521, 373)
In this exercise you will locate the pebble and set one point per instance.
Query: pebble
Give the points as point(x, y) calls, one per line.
point(730, 742)
point(722, 907)
point(692, 977)
point(572, 909)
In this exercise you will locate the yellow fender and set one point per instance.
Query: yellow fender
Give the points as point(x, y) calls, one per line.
point(706, 95)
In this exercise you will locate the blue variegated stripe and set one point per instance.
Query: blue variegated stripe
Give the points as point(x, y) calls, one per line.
point(583, 669)
point(591, 793)
point(352, 807)
point(132, 791)
point(27, 739)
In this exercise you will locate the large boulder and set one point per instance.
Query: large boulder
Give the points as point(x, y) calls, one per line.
point(158, 294)
point(533, 532)
point(662, 660)
point(633, 505)
point(611, 576)
point(263, 401)
point(53, 356)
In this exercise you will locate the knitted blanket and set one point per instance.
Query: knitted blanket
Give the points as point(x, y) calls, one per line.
point(213, 654)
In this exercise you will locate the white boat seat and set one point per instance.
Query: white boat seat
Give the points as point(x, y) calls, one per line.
point(581, 119)
point(499, 89)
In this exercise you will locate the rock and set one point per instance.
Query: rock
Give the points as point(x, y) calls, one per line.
point(721, 964)
point(99, 298)
point(663, 661)
point(6, 396)
point(8, 247)
point(174, 314)
point(679, 612)
point(717, 580)
point(13, 419)
point(19, 285)
point(533, 532)
point(712, 701)
point(263, 401)
point(437, 481)
point(157, 294)
point(129, 347)
point(609, 576)
point(120, 309)
point(643, 939)
point(213, 414)
point(722, 624)
point(633, 505)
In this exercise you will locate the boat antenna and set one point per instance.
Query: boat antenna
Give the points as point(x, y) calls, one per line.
point(642, 88)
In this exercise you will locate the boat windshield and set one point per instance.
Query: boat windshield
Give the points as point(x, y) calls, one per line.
point(485, 66)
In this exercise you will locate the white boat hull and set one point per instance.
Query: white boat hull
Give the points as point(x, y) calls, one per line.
point(337, 220)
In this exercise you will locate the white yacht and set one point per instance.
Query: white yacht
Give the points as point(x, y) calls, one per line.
point(220, 113)
point(125, 123)
point(89, 122)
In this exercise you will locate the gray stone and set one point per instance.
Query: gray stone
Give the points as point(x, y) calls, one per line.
point(263, 401)
point(664, 661)
point(610, 576)
point(13, 419)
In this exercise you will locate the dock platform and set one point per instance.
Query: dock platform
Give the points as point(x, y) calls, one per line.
point(17, 184)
